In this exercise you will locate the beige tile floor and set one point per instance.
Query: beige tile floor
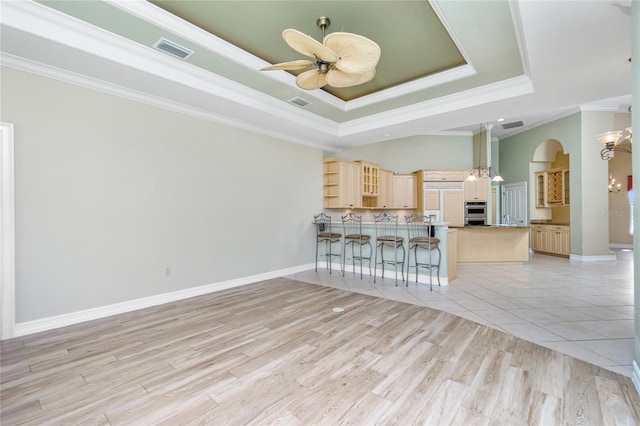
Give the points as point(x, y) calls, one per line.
point(582, 309)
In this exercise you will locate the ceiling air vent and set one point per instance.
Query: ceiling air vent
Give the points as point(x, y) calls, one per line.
point(512, 125)
point(299, 101)
point(172, 48)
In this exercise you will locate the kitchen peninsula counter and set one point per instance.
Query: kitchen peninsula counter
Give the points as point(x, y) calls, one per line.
point(493, 244)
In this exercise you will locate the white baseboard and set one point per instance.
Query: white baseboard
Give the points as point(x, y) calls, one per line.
point(599, 258)
point(635, 377)
point(621, 246)
point(50, 323)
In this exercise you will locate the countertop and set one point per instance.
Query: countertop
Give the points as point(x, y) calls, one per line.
point(497, 226)
point(400, 223)
point(547, 222)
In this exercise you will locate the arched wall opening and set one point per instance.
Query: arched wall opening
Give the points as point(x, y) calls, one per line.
point(549, 154)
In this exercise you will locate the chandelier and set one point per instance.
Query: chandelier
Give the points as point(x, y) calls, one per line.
point(486, 172)
point(611, 141)
point(613, 186)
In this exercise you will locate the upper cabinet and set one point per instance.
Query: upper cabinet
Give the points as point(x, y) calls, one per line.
point(385, 190)
point(476, 190)
point(440, 175)
point(342, 184)
point(370, 179)
point(359, 184)
point(404, 191)
point(552, 188)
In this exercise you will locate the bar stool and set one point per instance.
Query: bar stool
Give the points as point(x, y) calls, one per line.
point(387, 236)
point(352, 225)
point(326, 236)
point(421, 236)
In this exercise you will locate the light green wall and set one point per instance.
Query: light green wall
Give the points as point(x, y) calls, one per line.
point(415, 153)
point(111, 192)
point(517, 151)
point(594, 174)
point(588, 173)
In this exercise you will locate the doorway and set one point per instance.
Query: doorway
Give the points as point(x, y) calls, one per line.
point(514, 204)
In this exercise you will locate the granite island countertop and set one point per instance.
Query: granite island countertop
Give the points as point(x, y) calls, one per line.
point(495, 226)
point(547, 222)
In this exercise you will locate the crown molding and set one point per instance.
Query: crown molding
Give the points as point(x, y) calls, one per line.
point(505, 89)
point(604, 108)
point(424, 83)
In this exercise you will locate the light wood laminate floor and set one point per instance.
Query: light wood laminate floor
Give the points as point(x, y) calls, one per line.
point(276, 353)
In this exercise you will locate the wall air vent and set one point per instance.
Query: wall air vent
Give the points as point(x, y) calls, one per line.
point(512, 125)
point(173, 49)
point(299, 101)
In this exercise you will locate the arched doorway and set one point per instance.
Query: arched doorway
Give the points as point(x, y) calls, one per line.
point(548, 155)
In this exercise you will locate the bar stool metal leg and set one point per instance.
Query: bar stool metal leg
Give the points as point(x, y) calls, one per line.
point(387, 236)
point(325, 235)
point(352, 226)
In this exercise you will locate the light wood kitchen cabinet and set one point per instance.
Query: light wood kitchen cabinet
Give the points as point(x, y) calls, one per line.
point(552, 188)
point(540, 238)
point(453, 208)
point(565, 187)
point(541, 192)
point(555, 190)
point(551, 239)
point(342, 184)
point(476, 190)
point(370, 179)
point(559, 242)
point(443, 175)
point(404, 191)
point(385, 193)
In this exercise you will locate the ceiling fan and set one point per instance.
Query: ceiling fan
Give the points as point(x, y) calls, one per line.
point(341, 60)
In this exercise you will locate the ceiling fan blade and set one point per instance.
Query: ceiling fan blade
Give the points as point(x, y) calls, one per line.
point(289, 66)
point(304, 44)
point(311, 79)
point(357, 53)
point(337, 78)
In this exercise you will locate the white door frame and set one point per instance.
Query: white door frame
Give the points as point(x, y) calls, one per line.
point(7, 233)
point(523, 186)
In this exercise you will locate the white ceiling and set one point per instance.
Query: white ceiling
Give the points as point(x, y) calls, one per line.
point(574, 54)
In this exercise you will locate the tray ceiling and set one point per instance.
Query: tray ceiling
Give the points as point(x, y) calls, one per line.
point(445, 65)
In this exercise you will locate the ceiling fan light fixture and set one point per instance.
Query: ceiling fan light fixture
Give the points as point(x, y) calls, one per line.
point(323, 23)
point(292, 66)
point(341, 60)
point(337, 78)
point(323, 67)
point(357, 54)
point(311, 80)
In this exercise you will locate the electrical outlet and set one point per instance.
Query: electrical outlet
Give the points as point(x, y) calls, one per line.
point(167, 272)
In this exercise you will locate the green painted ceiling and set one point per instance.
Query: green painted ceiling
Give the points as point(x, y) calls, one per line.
point(426, 49)
point(413, 40)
